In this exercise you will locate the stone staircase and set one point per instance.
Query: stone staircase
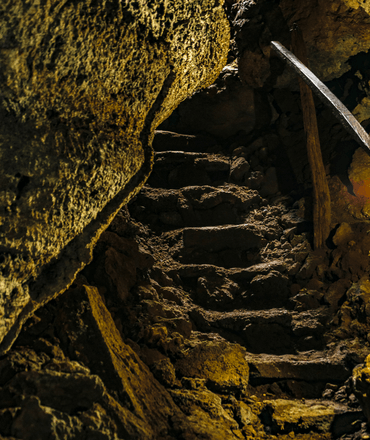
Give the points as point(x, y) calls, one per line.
point(224, 235)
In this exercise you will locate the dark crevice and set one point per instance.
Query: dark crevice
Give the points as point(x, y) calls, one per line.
point(23, 182)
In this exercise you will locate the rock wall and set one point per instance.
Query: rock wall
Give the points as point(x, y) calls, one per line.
point(248, 95)
point(83, 85)
point(333, 32)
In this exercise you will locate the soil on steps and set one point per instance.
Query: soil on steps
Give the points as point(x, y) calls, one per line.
point(233, 264)
point(205, 314)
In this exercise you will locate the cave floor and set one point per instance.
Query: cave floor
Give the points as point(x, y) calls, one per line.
point(205, 314)
point(233, 257)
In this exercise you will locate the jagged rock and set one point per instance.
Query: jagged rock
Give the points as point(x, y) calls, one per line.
point(239, 169)
point(323, 417)
point(351, 198)
point(354, 314)
point(117, 264)
point(222, 364)
point(329, 45)
point(83, 89)
point(79, 405)
point(304, 366)
point(206, 415)
point(362, 110)
point(336, 293)
point(98, 344)
point(360, 378)
point(343, 234)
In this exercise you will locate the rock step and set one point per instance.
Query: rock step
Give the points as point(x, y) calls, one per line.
point(189, 272)
point(226, 246)
point(311, 366)
point(169, 141)
point(274, 331)
point(223, 289)
point(315, 416)
point(176, 169)
point(194, 206)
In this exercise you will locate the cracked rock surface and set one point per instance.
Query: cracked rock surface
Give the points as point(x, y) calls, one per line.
point(260, 342)
point(83, 86)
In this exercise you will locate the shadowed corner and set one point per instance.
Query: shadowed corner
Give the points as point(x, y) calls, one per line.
point(341, 162)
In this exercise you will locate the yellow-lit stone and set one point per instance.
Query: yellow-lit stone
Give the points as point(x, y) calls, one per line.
point(222, 364)
point(306, 416)
point(83, 86)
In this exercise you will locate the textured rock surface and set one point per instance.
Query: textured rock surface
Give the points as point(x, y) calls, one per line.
point(329, 43)
point(224, 372)
point(82, 88)
point(153, 342)
point(142, 346)
point(361, 383)
point(353, 199)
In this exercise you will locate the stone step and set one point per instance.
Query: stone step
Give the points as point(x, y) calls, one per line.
point(294, 418)
point(227, 246)
point(177, 169)
point(169, 141)
point(262, 286)
point(310, 366)
point(274, 331)
point(190, 272)
point(194, 206)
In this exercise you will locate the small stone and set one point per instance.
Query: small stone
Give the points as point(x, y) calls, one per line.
point(239, 152)
point(239, 169)
point(164, 372)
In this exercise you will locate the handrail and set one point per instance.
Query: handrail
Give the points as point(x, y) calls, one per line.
point(339, 110)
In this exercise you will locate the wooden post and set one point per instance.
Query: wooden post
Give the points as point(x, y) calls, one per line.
point(321, 194)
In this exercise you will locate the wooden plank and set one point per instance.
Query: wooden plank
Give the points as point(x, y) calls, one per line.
point(321, 194)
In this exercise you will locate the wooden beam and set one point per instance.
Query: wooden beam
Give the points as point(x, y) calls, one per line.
point(321, 194)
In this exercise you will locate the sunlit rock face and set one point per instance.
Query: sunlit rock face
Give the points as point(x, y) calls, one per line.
point(82, 86)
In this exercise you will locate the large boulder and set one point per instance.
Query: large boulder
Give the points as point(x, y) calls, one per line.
point(83, 85)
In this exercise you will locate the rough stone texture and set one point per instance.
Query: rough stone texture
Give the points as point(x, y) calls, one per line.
point(361, 382)
point(298, 320)
point(285, 412)
point(206, 415)
point(215, 369)
point(329, 44)
point(223, 365)
point(122, 371)
point(351, 199)
point(220, 110)
point(83, 86)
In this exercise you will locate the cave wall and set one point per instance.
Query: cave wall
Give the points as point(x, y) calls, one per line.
point(244, 96)
point(83, 85)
